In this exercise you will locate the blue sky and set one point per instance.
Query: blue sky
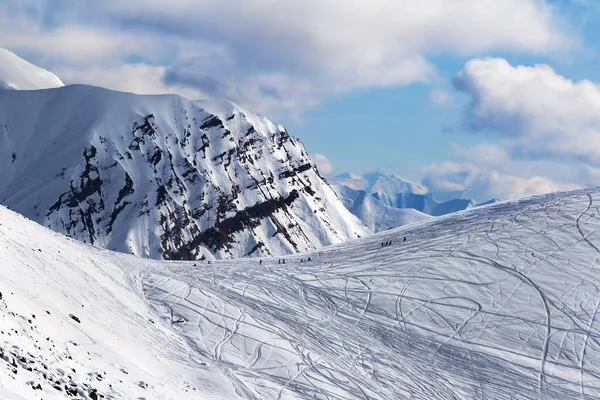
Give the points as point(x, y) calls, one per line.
point(499, 96)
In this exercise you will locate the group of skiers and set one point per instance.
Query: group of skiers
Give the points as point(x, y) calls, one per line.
point(282, 260)
point(389, 243)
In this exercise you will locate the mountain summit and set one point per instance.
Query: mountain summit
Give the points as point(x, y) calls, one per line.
point(381, 186)
point(18, 74)
point(162, 177)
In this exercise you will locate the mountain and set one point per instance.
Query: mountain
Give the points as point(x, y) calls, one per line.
point(373, 213)
point(381, 186)
point(162, 177)
point(428, 205)
point(496, 302)
point(16, 73)
point(383, 201)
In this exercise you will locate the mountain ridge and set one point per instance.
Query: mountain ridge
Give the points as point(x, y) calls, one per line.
point(382, 201)
point(159, 176)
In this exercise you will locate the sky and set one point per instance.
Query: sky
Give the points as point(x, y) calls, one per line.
point(498, 96)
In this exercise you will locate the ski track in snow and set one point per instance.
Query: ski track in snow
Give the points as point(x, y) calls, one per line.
point(494, 303)
point(499, 302)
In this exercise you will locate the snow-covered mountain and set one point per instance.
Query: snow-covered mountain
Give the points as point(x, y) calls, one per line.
point(428, 205)
point(383, 201)
point(496, 302)
point(18, 74)
point(162, 176)
point(373, 213)
point(381, 186)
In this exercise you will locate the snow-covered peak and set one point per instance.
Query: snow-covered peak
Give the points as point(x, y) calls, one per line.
point(373, 213)
point(379, 184)
point(163, 177)
point(18, 74)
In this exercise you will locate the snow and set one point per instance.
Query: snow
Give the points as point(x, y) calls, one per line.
point(384, 187)
point(373, 213)
point(18, 74)
point(385, 201)
point(495, 302)
point(164, 177)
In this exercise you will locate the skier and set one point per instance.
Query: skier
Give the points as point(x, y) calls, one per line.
point(404, 239)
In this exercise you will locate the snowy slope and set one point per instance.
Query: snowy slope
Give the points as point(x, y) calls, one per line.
point(161, 177)
point(373, 213)
point(71, 324)
point(497, 302)
point(16, 73)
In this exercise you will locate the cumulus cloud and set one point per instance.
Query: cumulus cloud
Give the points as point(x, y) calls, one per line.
point(135, 78)
point(542, 131)
point(289, 61)
point(484, 184)
point(538, 113)
point(323, 164)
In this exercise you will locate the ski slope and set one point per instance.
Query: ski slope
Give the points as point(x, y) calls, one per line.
point(498, 302)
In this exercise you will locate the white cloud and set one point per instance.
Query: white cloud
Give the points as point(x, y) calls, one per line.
point(544, 132)
point(539, 113)
point(286, 61)
point(485, 184)
point(135, 78)
point(323, 164)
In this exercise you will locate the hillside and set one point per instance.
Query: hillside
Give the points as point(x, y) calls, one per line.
point(496, 302)
point(162, 177)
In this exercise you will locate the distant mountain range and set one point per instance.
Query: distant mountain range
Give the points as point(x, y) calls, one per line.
point(385, 201)
point(373, 213)
point(161, 176)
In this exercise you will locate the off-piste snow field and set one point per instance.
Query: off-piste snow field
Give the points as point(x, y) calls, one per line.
point(498, 302)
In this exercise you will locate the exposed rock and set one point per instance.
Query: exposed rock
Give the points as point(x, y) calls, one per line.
point(163, 177)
